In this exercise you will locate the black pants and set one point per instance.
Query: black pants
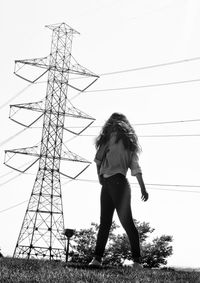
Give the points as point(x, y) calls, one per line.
point(116, 194)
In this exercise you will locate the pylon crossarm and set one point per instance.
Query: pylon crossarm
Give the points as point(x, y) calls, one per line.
point(65, 175)
point(25, 150)
point(9, 154)
point(77, 69)
point(38, 106)
point(80, 132)
point(74, 177)
point(21, 171)
point(31, 81)
point(90, 84)
point(35, 106)
point(76, 113)
point(71, 156)
point(82, 171)
point(37, 62)
point(32, 151)
point(25, 125)
point(83, 89)
point(66, 28)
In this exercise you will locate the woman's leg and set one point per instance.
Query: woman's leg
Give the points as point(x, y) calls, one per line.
point(121, 196)
point(107, 210)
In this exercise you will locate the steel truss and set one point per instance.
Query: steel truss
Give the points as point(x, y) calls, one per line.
point(41, 234)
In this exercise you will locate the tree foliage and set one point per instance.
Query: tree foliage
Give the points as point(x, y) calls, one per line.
point(84, 241)
point(154, 253)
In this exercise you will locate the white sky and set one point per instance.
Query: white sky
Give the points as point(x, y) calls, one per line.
point(115, 35)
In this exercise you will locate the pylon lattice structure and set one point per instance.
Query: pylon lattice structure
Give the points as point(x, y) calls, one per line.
point(41, 232)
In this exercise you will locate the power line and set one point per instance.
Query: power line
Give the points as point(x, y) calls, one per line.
point(139, 124)
point(157, 136)
point(136, 124)
point(156, 185)
point(10, 172)
point(12, 137)
point(152, 85)
point(145, 68)
point(144, 86)
point(14, 96)
point(140, 136)
point(147, 184)
point(6, 174)
point(169, 136)
point(151, 66)
point(142, 68)
point(135, 183)
point(13, 206)
point(167, 122)
point(123, 71)
point(9, 180)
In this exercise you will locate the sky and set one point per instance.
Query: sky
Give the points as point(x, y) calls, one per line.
point(138, 41)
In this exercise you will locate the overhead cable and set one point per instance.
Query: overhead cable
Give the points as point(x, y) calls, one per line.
point(157, 136)
point(169, 136)
point(151, 66)
point(96, 181)
point(9, 180)
point(12, 137)
point(148, 184)
point(137, 124)
point(14, 96)
point(124, 71)
point(155, 185)
point(143, 67)
point(144, 124)
point(145, 86)
point(119, 72)
point(166, 122)
point(13, 206)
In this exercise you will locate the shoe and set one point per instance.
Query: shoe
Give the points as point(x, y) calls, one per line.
point(137, 266)
point(95, 263)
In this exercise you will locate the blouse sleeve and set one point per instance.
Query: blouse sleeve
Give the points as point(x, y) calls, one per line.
point(100, 154)
point(135, 167)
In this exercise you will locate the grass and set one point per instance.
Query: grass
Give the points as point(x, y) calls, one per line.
point(31, 271)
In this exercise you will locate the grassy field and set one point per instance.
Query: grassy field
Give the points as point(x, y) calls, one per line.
point(25, 271)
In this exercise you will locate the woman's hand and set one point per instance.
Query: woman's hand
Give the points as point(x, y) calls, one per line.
point(145, 195)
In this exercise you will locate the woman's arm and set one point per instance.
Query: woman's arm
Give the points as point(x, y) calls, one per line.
point(144, 193)
point(99, 176)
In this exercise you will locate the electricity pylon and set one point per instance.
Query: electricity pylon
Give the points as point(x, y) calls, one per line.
point(43, 225)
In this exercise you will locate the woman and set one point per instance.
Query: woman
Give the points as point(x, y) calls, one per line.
point(117, 151)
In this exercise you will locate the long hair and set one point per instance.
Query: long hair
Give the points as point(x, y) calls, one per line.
point(119, 124)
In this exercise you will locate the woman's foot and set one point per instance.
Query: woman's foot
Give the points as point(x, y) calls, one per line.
point(95, 263)
point(137, 266)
